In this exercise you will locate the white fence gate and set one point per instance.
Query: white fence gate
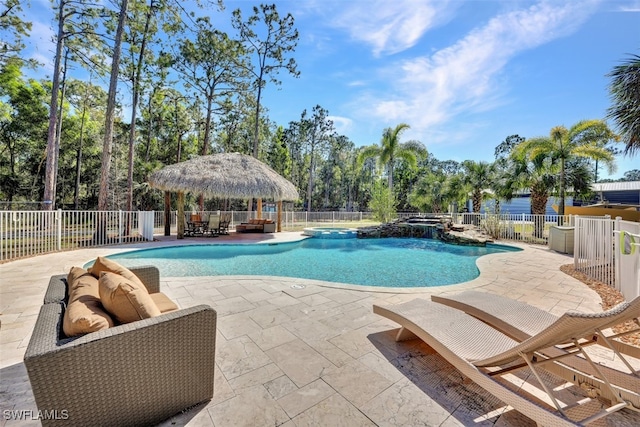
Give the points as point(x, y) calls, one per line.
point(627, 253)
point(599, 254)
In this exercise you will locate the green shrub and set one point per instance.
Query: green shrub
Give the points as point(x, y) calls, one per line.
point(383, 203)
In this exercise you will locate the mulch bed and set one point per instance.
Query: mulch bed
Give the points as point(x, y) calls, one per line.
point(610, 297)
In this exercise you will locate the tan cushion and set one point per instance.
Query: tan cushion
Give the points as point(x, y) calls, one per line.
point(163, 302)
point(84, 313)
point(126, 300)
point(103, 264)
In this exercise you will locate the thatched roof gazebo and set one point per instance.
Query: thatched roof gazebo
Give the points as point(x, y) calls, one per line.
point(231, 175)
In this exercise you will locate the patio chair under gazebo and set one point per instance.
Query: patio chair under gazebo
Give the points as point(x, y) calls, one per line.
point(231, 175)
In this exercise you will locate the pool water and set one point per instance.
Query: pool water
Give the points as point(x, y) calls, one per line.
point(372, 262)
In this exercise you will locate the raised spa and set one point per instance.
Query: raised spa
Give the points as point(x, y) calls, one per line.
point(331, 232)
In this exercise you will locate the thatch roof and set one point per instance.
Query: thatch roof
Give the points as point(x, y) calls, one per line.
point(231, 175)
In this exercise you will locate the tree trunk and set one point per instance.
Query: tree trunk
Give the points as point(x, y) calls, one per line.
point(134, 111)
point(256, 126)
point(538, 208)
point(310, 185)
point(63, 87)
point(147, 154)
point(103, 195)
point(562, 184)
point(76, 196)
point(51, 172)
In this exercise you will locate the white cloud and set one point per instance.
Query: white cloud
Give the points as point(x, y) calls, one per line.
point(391, 27)
point(630, 6)
point(42, 45)
point(357, 83)
point(431, 89)
point(341, 124)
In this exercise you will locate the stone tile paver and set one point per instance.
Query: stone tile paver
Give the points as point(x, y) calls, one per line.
point(295, 352)
point(305, 397)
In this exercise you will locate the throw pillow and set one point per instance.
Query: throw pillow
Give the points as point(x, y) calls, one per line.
point(125, 299)
point(103, 264)
point(84, 313)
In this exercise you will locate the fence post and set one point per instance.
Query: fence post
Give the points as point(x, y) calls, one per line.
point(120, 226)
point(58, 229)
point(617, 265)
point(333, 218)
point(577, 238)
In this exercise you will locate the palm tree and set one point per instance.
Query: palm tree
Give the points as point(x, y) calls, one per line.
point(428, 195)
point(435, 191)
point(625, 95)
point(479, 177)
point(535, 174)
point(584, 139)
point(390, 149)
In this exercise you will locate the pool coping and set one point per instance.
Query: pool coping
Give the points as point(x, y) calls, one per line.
point(470, 284)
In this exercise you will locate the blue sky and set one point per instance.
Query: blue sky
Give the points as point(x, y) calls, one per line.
point(463, 74)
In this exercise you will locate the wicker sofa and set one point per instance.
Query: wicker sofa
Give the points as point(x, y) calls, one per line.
point(257, 226)
point(139, 373)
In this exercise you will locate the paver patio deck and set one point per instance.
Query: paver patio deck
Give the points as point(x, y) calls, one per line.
point(310, 355)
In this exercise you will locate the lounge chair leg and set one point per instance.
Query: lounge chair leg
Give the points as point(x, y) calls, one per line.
point(404, 334)
point(604, 378)
point(527, 358)
point(604, 413)
point(617, 353)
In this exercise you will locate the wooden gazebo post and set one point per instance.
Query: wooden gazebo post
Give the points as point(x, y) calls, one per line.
point(180, 219)
point(167, 213)
point(279, 220)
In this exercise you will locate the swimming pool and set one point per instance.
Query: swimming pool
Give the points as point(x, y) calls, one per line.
point(371, 262)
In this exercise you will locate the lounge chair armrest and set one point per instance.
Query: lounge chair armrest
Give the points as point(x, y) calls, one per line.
point(149, 275)
point(57, 289)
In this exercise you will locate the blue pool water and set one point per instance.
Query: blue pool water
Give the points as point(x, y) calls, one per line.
point(371, 262)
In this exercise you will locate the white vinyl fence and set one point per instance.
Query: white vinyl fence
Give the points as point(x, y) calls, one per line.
point(527, 228)
point(608, 250)
point(29, 233)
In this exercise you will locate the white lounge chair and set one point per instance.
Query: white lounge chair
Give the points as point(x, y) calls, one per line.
point(487, 356)
point(520, 321)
